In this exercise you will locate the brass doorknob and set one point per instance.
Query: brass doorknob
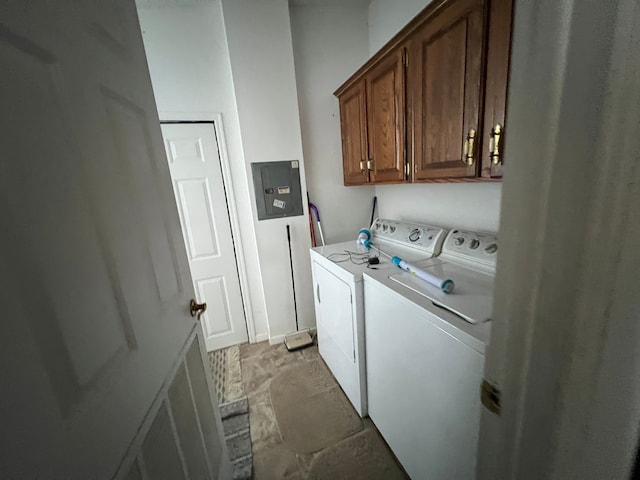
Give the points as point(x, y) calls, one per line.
point(197, 309)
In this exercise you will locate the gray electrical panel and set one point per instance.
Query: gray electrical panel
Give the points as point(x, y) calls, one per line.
point(277, 187)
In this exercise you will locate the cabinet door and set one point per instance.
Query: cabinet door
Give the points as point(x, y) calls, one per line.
point(495, 106)
point(385, 119)
point(354, 134)
point(447, 79)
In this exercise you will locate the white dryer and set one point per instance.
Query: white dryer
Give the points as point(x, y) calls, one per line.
point(425, 356)
point(338, 291)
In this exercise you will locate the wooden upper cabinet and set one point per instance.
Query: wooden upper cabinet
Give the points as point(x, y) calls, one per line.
point(433, 98)
point(497, 79)
point(353, 125)
point(386, 119)
point(446, 67)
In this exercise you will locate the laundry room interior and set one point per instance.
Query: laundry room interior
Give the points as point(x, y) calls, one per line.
point(267, 71)
point(393, 118)
point(320, 239)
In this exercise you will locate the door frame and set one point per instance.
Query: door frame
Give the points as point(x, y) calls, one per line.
point(215, 119)
point(563, 350)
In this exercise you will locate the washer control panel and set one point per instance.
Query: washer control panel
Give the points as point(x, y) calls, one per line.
point(477, 247)
point(423, 237)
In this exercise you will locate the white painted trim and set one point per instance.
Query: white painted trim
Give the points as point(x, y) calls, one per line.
point(218, 127)
point(277, 339)
point(565, 333)
point(262, 337)
point(227, 179)
point(280, 338)
point(169, 116)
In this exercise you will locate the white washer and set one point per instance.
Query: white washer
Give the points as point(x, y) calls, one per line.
point(338, 291)
point(425, 356)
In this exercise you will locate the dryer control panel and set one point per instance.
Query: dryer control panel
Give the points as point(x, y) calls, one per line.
point(472, 246)
point(428, 238)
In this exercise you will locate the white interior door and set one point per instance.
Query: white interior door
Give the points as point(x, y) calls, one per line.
point(94, 280)
point(196, 173)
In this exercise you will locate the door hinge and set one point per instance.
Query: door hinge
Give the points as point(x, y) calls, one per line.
point(490, 397)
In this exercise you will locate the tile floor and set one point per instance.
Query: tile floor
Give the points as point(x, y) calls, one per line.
point(272, 458)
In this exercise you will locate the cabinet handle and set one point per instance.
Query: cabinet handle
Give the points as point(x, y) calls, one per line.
point(362, 165)
point(369, 163)
point(494, 144)
point(318, 292)
point(469, 144)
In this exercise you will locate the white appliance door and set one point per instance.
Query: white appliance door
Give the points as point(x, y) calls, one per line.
point(198, 186)
point(94, 280)
point(423, 387)
point(334, 315)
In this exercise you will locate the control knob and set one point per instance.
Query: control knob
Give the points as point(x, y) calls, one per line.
point(475, 243)
point(458, 241)
point(491, 249)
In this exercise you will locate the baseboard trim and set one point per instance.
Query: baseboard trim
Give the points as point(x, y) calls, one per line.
point(261, 337)
point(280, 338)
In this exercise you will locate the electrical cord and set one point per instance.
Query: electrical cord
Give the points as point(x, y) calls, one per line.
point(358, 258)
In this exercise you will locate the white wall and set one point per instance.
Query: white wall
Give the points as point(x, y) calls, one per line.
point(475, 206)
point(261, 54)
point(472, 206)
point(387, 18)
point(188, 60)
point(329, 43)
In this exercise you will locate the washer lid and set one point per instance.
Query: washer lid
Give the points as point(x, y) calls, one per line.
point(472, 298)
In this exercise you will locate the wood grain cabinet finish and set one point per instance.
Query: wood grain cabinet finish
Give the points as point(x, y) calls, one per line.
point(372, 122)
point(496, 82)
point(386, 119)
point(446, 68)
point(442, 79)
point(353, 125)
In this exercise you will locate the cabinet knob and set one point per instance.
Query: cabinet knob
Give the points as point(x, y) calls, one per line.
point(494, 144)
point(468, 148)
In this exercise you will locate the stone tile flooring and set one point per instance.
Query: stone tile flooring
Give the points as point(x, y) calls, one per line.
point(272, 458)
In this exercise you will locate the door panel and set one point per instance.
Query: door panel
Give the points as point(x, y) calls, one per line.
point(353, 125)
point(444, 56)
point(160, 450)
point(333, 299)
point(196, 172)
point(448, 73)
point(385, 115)
point(95, 285)
point(214, 290)
point(497, 79)
point(193, 200)
point(186, 425)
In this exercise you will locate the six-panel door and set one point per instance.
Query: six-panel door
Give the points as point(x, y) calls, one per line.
point(196, 174)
